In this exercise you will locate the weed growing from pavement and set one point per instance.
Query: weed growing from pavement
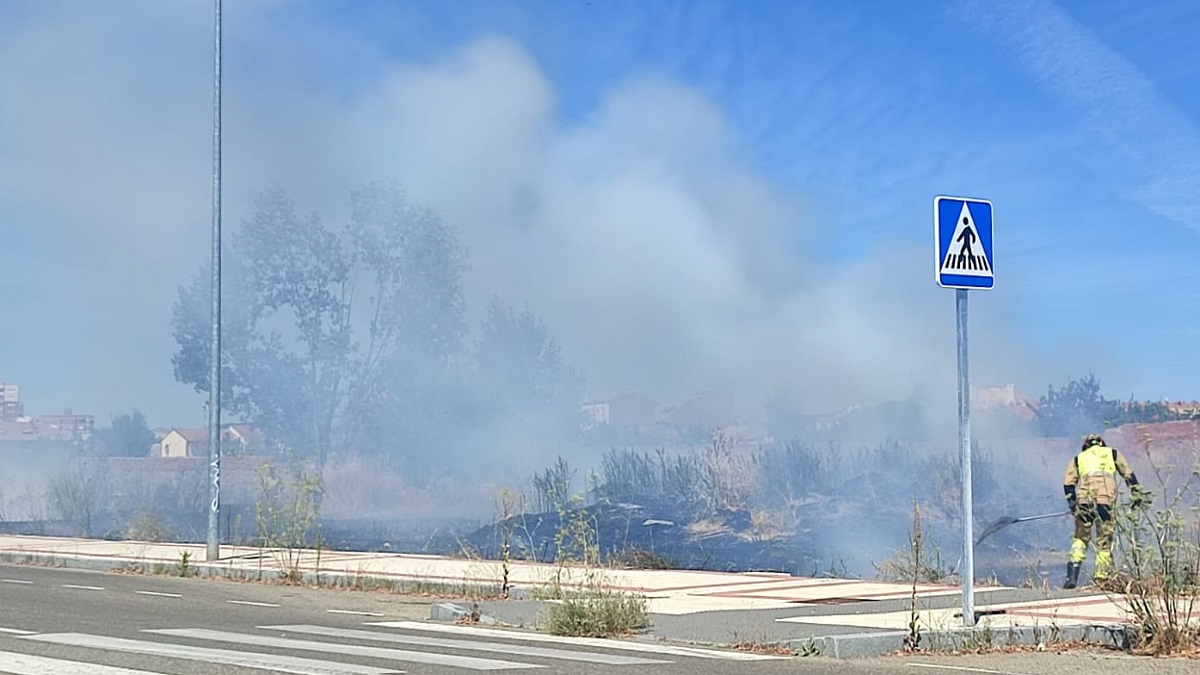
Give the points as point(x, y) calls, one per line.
point(1159, 566)
point(596, 611)
point(508, 505)
point(286, 507)
point(184, 566)
point(985, 637)
point(808, 647)
point(590, 606)
point(745, 644)
point(914, 565)
point(912, 641)
point(464, 590)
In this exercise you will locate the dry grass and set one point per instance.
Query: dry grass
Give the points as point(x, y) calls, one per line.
point(1159, 573)
point(707, 527)
point(767, 525)
point(756, 647)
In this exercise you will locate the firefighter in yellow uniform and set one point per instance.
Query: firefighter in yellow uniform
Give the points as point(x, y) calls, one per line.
point(1090, 485)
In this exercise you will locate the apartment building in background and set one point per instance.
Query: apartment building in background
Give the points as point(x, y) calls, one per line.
point(10, 402)
point(67, 427)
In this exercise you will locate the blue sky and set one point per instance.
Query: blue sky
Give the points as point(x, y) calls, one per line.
point(769, 166)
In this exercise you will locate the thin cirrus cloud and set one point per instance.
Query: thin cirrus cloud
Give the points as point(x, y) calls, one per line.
point(1114, 100)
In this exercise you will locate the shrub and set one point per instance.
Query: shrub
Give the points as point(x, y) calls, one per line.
point(595, 611)
point(287, 503)
point(1159, 569)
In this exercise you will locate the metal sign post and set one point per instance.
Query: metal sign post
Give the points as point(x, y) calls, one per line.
point(963, 244)
point(964, 440)
point(213, 549)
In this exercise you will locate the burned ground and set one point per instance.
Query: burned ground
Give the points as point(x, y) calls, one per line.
point(801, 508)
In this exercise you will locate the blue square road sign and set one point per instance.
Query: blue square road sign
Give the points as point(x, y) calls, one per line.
point(963, 241)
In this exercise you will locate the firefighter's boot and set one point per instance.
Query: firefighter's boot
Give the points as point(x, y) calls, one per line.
point(1072, 575)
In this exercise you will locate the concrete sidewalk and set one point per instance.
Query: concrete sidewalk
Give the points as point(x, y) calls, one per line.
point(838, 617)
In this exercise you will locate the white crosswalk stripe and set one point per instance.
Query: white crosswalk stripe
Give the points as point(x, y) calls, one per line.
point(28, 664)
point(330, 642)
point(272, 662)
point(601, 643)
point(431, 658)
point(502, 648)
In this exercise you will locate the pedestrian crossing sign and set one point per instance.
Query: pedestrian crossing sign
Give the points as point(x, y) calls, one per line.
point(963, 237)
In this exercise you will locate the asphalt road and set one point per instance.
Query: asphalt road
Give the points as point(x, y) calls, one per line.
point(71, 622)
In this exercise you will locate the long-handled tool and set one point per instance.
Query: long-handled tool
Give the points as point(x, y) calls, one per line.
point(1009, 520)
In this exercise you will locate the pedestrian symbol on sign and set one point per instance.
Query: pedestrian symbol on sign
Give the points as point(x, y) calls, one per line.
point(970, 257)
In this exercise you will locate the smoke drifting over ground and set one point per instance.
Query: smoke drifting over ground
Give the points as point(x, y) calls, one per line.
point(640, 230)
point(658, 255)
point(662, 259)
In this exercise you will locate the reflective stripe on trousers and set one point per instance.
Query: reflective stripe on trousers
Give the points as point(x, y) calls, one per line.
point(1099, 515)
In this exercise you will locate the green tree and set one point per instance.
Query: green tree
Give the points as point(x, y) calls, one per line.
point(299, 296)
point(410, 376)
point(522, 364)
point(1076, 409)
point(127, 435)
point(525, 386)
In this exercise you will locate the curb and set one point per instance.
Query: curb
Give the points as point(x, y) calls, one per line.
point(143, 566)
point(226, 569)
point(864, 645)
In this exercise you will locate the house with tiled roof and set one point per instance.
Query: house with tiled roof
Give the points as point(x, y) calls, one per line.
point(184, 442)
point(193, 442)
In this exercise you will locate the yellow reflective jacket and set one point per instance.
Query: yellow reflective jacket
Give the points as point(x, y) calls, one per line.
point(1093, 474)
